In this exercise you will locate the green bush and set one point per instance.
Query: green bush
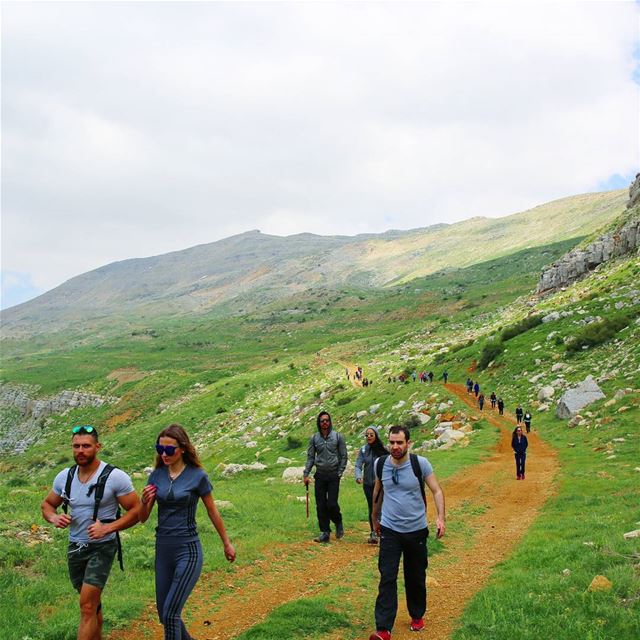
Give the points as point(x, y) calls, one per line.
point(293, 443)
point(524, 325)
point(490, 352)
point(598, 332)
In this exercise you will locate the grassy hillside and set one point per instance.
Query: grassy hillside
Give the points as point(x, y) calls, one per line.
point(248, 387)
point(253, 269)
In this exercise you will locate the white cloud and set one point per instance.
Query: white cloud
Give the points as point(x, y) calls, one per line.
point(137, 129)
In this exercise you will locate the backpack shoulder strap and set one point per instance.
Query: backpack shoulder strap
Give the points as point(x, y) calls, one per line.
point(417, 471)
point(67, 487)
point(380, 465)
point(98, 488)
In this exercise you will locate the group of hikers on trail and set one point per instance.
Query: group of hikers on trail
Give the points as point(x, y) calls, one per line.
point(393, 482)
point(392, 479)
point(95, 491)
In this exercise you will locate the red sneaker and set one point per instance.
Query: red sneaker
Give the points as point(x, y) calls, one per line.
point(417, 624)
point(380, 635)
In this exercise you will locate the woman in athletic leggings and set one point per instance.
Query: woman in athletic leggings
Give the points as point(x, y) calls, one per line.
point(177, 483)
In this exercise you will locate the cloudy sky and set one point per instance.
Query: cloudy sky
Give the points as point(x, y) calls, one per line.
point(135, 129)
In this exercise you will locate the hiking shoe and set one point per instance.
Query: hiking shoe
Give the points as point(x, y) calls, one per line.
point(417, 624)
point(339, 531)
point(323, 537)
point(380, 635)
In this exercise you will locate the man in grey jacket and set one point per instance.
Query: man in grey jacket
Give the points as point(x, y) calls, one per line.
point(328, 452)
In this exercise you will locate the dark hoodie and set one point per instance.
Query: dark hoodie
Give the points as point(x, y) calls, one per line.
point(329, 455)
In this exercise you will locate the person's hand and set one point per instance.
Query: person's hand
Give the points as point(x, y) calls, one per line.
point(229, 552)
point(306, 481)
point(98, 530)
point(440, 528)
point(61, 520)
point(359, 480)
point(149, 493)
point(377, 526)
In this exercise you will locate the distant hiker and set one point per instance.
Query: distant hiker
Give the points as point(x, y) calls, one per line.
point(469, 385)
point(430, 374)
point(413, 376)
point(365, 472)
point(389, 380)
point(94, 490)
point(423, 376)
point(481, 401)
point(178, 482)
point(476, 389)
point(519, 413)
point(519, 445)
point(527, 421)
point(445, 377)
point(328, 452)
point(501, 406)
point(399, 496)
point(493, 399)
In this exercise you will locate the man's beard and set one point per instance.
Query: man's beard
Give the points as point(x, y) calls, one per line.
point(400, 454)
point(86, 460)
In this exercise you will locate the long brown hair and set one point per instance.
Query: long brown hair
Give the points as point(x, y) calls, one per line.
point(189, 454)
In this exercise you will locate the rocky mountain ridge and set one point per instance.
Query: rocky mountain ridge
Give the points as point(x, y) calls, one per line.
point(580, 261)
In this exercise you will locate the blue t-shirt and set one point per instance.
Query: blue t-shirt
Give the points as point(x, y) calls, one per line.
point(81, 505)
point(177, 502)
point(403, 509)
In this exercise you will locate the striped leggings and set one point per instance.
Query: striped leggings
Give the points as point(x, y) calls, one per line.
point(178, 566)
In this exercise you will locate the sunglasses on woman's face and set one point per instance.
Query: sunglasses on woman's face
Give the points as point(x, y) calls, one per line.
point(168, 449)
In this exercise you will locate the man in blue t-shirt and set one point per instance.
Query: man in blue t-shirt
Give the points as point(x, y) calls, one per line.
point(403, 530)
point(92, 543)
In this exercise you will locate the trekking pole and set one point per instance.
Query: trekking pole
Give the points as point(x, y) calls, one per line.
point(307, 487)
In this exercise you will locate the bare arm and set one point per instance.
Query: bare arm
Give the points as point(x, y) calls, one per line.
point(147, 502)
point(438, 498)
point(216, 520)
point(49, 508)
point(131, 504)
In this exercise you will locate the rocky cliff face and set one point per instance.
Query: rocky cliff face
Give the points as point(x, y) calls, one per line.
point(578, 262)
point(22, 417)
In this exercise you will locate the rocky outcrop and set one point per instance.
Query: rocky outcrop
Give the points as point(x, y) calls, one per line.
point(579, 262)
point(579, 397)
point(634, 192)
point(20, 397)
point(22, 414)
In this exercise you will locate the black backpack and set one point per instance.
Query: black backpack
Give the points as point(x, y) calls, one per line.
point(415, 465)
point(98, 493)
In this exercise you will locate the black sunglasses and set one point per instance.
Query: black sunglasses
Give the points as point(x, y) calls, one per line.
point(169, 449)
point(84, 428)
point(394, 475)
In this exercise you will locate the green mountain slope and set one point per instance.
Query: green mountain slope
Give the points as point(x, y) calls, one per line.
point(252, 269)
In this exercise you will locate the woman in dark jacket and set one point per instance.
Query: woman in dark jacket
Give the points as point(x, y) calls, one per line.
point(365, 471)
point(519, 445)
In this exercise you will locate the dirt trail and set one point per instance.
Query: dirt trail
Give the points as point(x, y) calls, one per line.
point(488, 511)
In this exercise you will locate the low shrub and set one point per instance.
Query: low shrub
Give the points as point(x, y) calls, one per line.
point(598, 332)
point(523, 326)
point(490, 352)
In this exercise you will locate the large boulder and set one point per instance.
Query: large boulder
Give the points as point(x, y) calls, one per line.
point(293, 475)
point(575, 399)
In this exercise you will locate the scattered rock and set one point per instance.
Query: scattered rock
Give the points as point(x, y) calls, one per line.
point(600, 583)
point(632, 534)
point(546, 393)
point(566, 572)
point(293, 475)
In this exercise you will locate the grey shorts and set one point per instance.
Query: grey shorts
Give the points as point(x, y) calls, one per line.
point(90, 562)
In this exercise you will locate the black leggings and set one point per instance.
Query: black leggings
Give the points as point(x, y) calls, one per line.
point(368, 492)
